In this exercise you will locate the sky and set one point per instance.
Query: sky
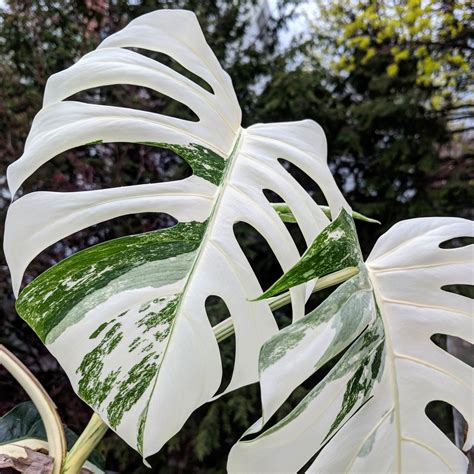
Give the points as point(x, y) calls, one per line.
point(306, 11)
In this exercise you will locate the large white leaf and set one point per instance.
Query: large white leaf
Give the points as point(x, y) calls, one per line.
point(368, 413)
point(126, 319)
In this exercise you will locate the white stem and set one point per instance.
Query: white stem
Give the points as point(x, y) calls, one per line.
point(226, 328)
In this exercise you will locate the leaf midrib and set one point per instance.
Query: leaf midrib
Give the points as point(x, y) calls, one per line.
point(207, 233)
point(393, 371)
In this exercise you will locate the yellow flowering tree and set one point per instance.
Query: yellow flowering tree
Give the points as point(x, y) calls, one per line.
point(428, 39)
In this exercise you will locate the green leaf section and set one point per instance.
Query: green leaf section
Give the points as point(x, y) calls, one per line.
point(286, 215)
point(152, 327)
point(24, 422)
point(334, 249)
point(139, 377)
point(21, 422)
point(204, 162)
point(45, 302)
point(67, 291)
point(92, 386)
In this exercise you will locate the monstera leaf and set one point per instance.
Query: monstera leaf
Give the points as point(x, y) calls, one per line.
point(127, 319)
point(368, 413)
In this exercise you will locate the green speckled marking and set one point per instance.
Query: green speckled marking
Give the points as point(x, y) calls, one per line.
point(132, 388)
point(204, 162)
point(335, 248)
point(100, 329)
point(153, 320)
point(92, 385)
point(165, 316)
point(141, 428)
point(157, 319)
point(45, 302)
point(147, 348)
point(134, 344)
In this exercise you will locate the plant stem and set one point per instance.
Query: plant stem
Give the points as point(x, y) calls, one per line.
point(90, 437)
point(96, 428)
point(226, 328)
point(45, 406)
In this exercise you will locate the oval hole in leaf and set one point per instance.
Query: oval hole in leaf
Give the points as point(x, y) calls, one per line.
point(457, 347)
point(217, 312)
point(460, 289)
point(272, 196)
point(135, 97)
point(457, 242)
point(176, 66)
point(441, 414)
point(259, 254)
point(305, 181)
point(107, 165)
point(293, 229)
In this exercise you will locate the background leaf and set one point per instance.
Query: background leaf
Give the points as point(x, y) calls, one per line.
point(23, 422)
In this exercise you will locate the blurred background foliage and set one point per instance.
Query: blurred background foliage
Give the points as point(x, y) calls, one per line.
point(389, 81)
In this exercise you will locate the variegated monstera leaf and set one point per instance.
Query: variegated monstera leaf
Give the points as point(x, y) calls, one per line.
point(126, 319)
point(368, 414)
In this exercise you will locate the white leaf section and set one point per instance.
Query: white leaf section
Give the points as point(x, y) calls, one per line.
point(52, 215)
point(368, 414)
point(127, 319)
point(408, 270)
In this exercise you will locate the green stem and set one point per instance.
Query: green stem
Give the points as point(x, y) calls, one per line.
point(90, 437)
point(96, 428)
